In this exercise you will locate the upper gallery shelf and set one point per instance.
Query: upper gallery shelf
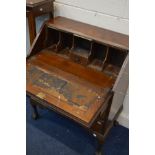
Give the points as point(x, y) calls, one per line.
point(101, 35)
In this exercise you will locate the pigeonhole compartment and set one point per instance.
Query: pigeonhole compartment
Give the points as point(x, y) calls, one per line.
point(114, 61)
point(52, 38)
point(98, 56)
point(81, 50)
point(64, 45)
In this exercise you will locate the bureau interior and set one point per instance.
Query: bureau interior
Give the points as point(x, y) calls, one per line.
point(98, 56)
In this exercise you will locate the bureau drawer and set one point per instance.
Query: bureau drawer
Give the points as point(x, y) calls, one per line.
point(78, 59)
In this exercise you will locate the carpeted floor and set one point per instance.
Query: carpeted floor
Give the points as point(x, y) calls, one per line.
point(52, 134)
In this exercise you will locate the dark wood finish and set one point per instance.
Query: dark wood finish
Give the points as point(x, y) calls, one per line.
point(35, 114)
point(72, 69)
point(35, 8)
point(87, 85)
point(32, 26)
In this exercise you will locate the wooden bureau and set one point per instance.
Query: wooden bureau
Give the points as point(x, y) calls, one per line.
point(72, 69)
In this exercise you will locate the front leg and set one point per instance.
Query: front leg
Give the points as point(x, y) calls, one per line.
point(99, 147)
point(35, 114)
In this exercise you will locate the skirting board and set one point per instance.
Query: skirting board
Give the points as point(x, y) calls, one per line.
point(124, 116)
point(123, 120)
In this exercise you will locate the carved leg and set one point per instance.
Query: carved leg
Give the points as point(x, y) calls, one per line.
point(103, 129)
point(35, 114)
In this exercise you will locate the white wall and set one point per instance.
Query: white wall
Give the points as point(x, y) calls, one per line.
point(124, 117)
point(109, 14)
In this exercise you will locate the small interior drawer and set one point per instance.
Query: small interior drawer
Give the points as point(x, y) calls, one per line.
point(78, 59)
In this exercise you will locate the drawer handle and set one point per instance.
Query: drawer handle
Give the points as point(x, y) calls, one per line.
point(41, 9)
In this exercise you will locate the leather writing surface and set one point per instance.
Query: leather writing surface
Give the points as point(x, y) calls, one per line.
point(72, 93)
point(64, 91)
